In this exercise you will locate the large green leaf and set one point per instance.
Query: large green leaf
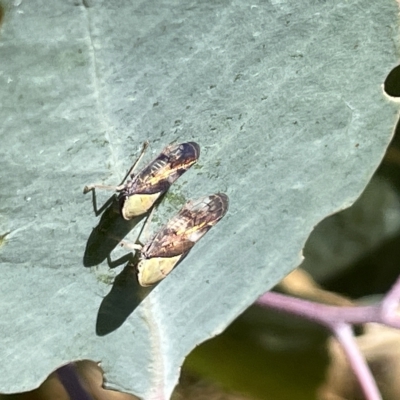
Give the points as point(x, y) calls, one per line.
point(283, 97)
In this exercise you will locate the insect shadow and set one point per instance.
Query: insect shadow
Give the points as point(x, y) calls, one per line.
point(107, 235)
point(125, 295)
point(111, 228)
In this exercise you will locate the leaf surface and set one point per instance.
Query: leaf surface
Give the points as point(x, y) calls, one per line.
point(285, 100)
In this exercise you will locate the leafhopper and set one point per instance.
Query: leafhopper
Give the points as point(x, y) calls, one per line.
point(172, 243)
point(139, 194)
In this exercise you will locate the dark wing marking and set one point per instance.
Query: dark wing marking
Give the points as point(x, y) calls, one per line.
point(181, 232)
point(164, 170)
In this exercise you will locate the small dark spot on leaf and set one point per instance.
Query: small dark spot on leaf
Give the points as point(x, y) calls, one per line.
point(88, 3)
point(2, 12)
point(155, 104)
point(213, 86)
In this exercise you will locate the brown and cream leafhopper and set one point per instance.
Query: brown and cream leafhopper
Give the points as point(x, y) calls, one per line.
point(139, 194)
point(172, 243)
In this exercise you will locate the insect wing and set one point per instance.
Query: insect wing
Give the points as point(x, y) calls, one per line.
point(194, 220)
point(140, 194)
point(169, 165)
point(161, 254)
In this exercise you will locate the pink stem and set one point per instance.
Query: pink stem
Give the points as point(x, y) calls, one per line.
point(320, 313)
point(390, 303)
point(337, 319)
point(357, 361)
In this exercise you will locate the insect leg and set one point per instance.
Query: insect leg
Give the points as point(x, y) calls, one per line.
point(118, 188)
point(130, 245)
point(130, 172)
point(146, 226)
point(89, 188)
point(143, 232)
point(124, 243)
point(110, 202)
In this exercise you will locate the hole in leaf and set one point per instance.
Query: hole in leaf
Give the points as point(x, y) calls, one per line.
point(392, 82)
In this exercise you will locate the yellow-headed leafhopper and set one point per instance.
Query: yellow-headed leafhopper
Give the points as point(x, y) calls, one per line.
point(139, 194)
point(172, 243)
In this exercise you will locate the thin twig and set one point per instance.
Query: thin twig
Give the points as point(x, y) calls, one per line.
point(320, 313)
point(344, 335)
point(338, 320)
point(391, 301)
